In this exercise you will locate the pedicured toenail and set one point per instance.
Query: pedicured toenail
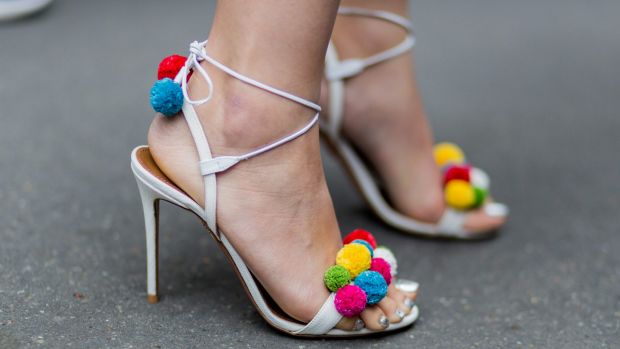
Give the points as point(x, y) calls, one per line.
point(383, 321)
point(409, 303)
point(400, 313)
point(407, 285)
point(359, 325)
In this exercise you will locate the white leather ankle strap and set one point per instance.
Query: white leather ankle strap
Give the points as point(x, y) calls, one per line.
point(336, 70)
point(379, 14)
point(222, 163)
point(350, 67)
point(209, 165)
point(198, 54)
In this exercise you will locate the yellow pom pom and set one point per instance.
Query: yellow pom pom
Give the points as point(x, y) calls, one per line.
point(355, 258)
point(459, 194)
point(446, 153)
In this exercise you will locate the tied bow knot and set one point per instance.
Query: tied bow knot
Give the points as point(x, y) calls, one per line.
point(197, 54)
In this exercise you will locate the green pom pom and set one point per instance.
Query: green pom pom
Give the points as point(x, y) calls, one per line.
point(336, 277)
point(481, 195)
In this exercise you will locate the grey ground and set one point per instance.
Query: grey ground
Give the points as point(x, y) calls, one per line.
point(529, 88)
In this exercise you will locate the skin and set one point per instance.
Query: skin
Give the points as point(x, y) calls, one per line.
point(401, 141)
point(275, 208)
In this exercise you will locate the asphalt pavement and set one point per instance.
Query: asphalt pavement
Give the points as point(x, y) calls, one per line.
point(529, 88)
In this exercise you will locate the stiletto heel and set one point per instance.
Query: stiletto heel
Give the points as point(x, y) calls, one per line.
point(356, 281)
point(150, 207)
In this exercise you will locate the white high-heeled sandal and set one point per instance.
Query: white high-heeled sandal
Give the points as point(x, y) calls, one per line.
point(336, 72)
point(155, 186)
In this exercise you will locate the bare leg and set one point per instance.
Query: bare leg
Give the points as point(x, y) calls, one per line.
point(275, 208)
point(401, 140)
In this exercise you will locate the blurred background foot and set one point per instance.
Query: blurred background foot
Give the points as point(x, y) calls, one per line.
point(14, 9)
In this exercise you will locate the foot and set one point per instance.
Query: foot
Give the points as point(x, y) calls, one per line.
point(275, 208)
point(401, 141)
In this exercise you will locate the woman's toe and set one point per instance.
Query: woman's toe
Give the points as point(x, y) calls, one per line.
point(407, 287)
point(374, 318)
point(350, 324)
point(391, 309)
point(405, 300)
point(487, 218)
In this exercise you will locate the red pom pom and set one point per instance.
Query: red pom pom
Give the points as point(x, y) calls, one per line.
point(461, 172)
point(362, 235)
point(170, 66)
point(382, 267)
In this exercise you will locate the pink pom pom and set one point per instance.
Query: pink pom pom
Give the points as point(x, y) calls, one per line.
point(382, 267)
point(350, 301)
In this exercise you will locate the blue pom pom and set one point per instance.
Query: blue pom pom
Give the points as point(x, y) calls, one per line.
point(167, 97)
point(365, 243)
point(373, 284)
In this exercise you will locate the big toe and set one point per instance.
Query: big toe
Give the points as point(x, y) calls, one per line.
point(374, 318)
point(350, 324)
point(405, 297)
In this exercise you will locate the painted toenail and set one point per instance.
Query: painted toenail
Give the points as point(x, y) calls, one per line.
point(407, 285)
point(409, 303)
point(495, 209)
point(383, 321)
point(400, 313)
point(359, 325)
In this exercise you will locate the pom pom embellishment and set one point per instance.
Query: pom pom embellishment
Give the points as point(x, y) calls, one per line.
point(480, 179)
point(382, 267)
point(387, 255)
point(170, 66)
point(481, 196)
point(373, 284)
point(354, 257)
point(371, 276)
point(459, 194)
point(448, 153)
point(350, 301)
point(465, 187)
point(365, 243)
point(360, 234)
point(166, 97)
point(336, 277)
point(462, 172)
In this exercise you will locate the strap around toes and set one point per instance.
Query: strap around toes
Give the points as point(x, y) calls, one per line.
point(209, 165)
point(325, 320)
point(451, 222)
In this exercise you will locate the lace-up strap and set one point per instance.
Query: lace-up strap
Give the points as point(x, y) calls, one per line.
point(209, 165)
point(336, 70)
point(353, 66)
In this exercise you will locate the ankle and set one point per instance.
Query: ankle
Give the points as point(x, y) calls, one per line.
point(359, 36)
point(281, 67)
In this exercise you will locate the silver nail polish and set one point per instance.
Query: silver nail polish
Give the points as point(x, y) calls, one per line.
point(495, 209)
point(400, 314)
point(359, 325)
point(409, 303)
point(383, 321)
point(407, 285)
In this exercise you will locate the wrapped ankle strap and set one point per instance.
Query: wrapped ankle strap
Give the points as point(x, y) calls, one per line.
point(350, 67)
